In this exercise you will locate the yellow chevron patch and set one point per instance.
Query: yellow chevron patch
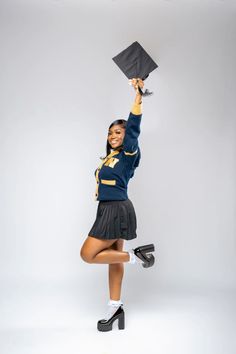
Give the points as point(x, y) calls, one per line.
point(111, 162)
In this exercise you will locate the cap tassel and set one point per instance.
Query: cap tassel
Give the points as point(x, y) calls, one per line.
point(145, 93)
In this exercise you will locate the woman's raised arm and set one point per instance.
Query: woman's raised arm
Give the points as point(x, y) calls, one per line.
point(134, 120)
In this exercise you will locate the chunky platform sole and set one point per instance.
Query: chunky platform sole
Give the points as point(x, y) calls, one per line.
point(142, 251)
point(106, 325)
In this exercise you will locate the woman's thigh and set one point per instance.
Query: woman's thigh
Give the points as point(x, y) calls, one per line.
point(118, 245)
point(92, 246)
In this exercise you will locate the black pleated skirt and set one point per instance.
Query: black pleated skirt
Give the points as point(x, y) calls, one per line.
point(115, 219)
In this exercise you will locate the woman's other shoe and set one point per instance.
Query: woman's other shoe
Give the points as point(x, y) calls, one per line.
point(105, 325)
point(143, 253)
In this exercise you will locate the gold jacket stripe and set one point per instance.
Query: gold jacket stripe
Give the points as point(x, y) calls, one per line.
point(131, 153)
point(110, 182)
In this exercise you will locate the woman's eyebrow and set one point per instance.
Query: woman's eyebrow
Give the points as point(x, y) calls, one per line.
point(114, 130)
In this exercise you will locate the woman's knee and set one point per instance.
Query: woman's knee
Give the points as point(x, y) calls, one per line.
point(92, 247)
point(116, 268)
point(86, 255)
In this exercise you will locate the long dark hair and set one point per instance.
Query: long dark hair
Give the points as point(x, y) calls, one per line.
point(122, 123)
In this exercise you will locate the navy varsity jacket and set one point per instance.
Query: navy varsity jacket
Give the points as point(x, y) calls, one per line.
point(116, 169)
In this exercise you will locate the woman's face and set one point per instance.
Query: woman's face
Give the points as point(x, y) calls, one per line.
point(116, 136)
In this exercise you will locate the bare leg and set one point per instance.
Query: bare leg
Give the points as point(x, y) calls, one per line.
point(95, 250)
point(111, 257)
point(116, 272)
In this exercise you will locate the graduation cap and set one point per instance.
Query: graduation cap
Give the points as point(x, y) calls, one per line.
point(135, 62)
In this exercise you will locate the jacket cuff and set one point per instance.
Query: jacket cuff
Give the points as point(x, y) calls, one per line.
point(137, 108)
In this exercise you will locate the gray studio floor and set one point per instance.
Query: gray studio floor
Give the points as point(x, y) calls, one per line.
point(48, 319)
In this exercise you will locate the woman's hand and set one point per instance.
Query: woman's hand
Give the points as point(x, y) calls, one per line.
point(137, 82)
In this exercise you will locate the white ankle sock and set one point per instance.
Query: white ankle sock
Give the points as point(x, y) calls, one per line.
point(113, 305)
point(133, 258)
point(115, 302)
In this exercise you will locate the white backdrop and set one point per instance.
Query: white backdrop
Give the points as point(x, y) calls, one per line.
point(60, 90)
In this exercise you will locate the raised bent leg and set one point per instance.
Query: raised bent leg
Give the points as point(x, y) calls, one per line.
point(96, 250)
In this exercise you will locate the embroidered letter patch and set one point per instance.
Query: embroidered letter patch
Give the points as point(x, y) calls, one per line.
point(111, 162)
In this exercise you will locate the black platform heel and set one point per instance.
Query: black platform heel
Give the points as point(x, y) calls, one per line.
point(106, 325)
point(142, 251)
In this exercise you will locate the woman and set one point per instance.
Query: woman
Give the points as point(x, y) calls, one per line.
point(116, 218)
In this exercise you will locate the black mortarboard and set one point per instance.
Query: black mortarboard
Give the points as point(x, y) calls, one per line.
point(135, 62)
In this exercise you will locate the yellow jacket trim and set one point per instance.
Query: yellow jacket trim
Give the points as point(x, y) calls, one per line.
point(137, 108)
point(115, 152)
point(130, 153)
point(110, 182)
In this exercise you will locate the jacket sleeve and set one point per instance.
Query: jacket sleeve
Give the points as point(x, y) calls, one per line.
point(132, 131)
